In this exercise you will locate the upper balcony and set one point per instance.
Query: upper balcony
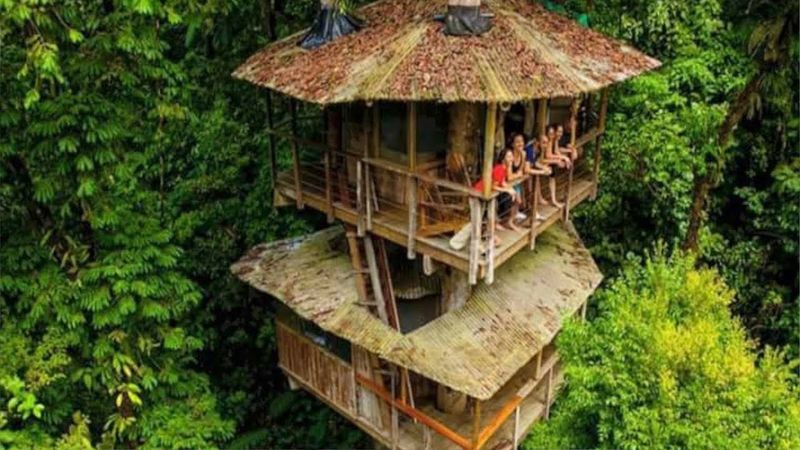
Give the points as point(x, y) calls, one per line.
point(405, 172)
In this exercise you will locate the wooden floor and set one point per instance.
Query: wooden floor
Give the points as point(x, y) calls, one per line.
point(391, 220)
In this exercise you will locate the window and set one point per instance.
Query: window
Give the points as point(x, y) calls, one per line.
point(393, 118)
point(432, 129)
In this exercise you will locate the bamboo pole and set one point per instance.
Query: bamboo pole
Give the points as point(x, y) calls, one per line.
point(541, 116)
point(514, 437)
point(411, 135)
point(488, 148)
point(549, 393)
point(573, 129)
point(476, 425)
point(360, 198)
point(598, 144)
point(492, 219)
point(535, 209)
point(328, 187)
point(475, 238)
point(298, 190)
point(411, 193)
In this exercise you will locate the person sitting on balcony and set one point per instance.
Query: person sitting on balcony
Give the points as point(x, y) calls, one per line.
point(524, 164)
point(553, 152)
point(509, 200)
point(549, 158)
point(564, 144)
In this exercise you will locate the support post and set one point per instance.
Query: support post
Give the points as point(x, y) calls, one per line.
point(273, 161)
point(411, 136)
point(515, 438)
point(476, 424)
point(328, 187)
point(573, 128)
point(360, 198)
point(537, 186)
point(377, 288)
point(488, 148)
point(475, 238)
point(492, 219)
point(598, 143)
point(298, 189)
point(541, 116)
point(411, 194)
point(583, 311)
point(365, 215)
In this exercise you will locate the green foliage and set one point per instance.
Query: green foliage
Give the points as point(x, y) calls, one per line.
point(664, 365)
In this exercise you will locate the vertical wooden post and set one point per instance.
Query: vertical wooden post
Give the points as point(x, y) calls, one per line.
point(537, 372)
point(273, 161)
point(535, 209)
point(411, 194)
point(573, 121)
point(369, 125)
point(333, 147)
point(476, 424)
point(476, 217)
point(514, 438)
point(529, 119)
point(411, 135)
point(377, 288)
point(328, 186)
point(598, 143)
point(360, 225)
point(583, 311)
point(492, 219)
point(601, 120)
point(541, 116)
point(298, 189)
point(488, 148)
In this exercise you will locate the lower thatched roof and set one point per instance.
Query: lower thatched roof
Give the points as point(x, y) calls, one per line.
point(474, 350)
point(402, 54)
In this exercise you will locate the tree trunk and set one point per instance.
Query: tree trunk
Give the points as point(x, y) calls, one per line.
point(463, 137)
point(704, 183)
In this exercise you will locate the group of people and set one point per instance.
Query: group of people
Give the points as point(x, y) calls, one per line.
point(550, 152)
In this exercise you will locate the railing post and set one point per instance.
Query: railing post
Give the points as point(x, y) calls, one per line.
point(514, 438)
point(475, 238)
point(360, 198)
point(549, 393)
point(573, 131)
point(567, 201)
point(411, 190)
point(329, 186)
point(476, 424)
point(535, 209)
point(598, 142)
point(492, 219)
point(298, 188)
point(368, 194)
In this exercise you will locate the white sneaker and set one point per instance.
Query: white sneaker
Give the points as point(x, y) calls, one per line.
point(521, 216)
point(539, 217)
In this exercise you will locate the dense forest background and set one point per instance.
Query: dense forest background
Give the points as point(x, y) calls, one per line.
point(134, 173)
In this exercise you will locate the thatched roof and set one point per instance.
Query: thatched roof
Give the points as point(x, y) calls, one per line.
point(402, 54)
point(475, 349)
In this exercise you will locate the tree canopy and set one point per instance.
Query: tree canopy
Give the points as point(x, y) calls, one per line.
point(133, 171)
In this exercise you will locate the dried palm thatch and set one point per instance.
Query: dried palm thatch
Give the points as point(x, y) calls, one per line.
point(475, 349)
point(402, 54)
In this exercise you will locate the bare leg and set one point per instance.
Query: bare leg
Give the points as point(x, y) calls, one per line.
point(553, 194)
point(514, 211)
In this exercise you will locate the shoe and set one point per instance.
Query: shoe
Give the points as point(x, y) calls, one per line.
point(521, 216)
point(539, 217)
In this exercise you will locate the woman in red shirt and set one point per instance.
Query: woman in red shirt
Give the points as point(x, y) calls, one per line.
point(509, 199)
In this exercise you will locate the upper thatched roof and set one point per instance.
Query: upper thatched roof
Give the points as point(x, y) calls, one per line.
point(475, 349)
point(402, 54)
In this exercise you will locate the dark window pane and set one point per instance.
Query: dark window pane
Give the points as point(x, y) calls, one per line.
point(432, 121)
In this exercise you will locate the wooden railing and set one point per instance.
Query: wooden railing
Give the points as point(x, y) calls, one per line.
point(324, 373)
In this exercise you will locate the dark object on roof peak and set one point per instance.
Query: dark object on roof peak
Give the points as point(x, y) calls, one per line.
point(331, 22)
point(464, 18)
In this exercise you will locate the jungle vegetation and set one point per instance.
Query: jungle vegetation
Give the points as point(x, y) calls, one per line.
point(134, 171)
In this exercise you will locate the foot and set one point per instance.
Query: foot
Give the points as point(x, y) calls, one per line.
point(557, 204)
point(514, 227)
point(539, 217)
point(501, 227)
point(521, 216)
point(544, 201)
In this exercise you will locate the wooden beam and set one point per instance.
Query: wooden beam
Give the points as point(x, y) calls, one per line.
point(488, 148)
point(541, 116)
point(411, 135)
point(573, 128)
point(490, 249)
point(273, 160)
point(514, 438)
point(548, 395)
point(296, 156)
point(509, 407)
point(414, 413)
point(377, 290)
point(475, 238)
point(329, 187)
point(361, 216)
point(537, 189)
point(598, 144)
point(476, 425)
point(411, 194)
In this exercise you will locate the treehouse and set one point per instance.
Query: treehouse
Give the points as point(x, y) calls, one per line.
point(416, 317)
